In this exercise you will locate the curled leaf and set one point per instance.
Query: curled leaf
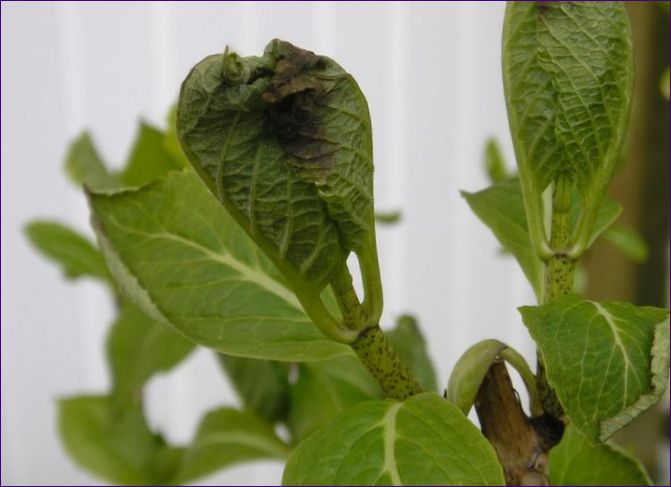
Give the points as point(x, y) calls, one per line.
point(471, 368)
point(567, 71)
point(284, 142)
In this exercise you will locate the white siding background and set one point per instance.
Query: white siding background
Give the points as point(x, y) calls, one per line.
point(431, 72)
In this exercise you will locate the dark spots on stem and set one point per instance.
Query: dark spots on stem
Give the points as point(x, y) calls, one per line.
point(385, 365)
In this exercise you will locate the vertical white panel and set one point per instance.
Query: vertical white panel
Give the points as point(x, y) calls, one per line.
point(431, 175)
point(41, 336)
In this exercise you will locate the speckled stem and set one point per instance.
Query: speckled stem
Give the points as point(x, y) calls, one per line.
point(385, 364)
point(354, 316)
point(559, 274)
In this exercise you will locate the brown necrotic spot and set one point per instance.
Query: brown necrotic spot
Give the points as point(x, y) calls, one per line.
point(293, 100)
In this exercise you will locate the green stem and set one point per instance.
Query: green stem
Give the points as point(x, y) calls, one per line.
point(384, 363)
point(354, 316)
point(372, 280)
point(559, 268)
point(320, 316)
point(559, 275)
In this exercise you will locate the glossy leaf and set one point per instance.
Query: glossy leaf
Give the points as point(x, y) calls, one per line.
point(407, 339)
point(85, 167)
point(226, 437)
point(567, 76)
point(607, 361)
point(138, 348)
point(284, 142)
point(577, 462)
point(76, 254)
point(149, 159)
point(325, 389)
point(424, 440)
point(119, 448)
point(263, 385)
point(187, 263)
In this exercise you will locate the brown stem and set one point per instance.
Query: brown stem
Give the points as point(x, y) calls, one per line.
point(521, 444)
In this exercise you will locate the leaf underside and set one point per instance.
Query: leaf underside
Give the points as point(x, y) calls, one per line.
point(284, 143)
point(186, 263)
point(567, 76)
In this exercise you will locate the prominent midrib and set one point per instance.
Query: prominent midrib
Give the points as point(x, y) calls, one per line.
point(610, 319)
point(248, 273)
point(389, 425)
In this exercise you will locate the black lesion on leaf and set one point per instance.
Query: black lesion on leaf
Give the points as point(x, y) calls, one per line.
point(293, 101)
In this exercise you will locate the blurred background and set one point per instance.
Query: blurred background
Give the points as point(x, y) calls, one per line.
point(432, 76)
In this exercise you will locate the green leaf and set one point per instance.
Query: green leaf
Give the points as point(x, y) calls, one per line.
point(284, 142)
point(407, 339)
point(262, 385)
point(226, 437)
point(149, 160)
point(170, 141)
point(609, 211)
point(629, 241)
point(118, 448)
point(501, 208)
point(153, 155)
point(577, 462)
point(388, 217)
point(607, 361)
point(325, 389)
point(567, 71)
point(85, 167)
point(469, 371)
point(76, 254)
point(187, 263)
point(424, 440)
point(495, 164)
point(471, 368)
point(138, 348)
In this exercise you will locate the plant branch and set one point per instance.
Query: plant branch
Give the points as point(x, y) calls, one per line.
point(353, 313)
point(520, 443)
point(385, 364)
point(559, 276)
point(372, 281)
